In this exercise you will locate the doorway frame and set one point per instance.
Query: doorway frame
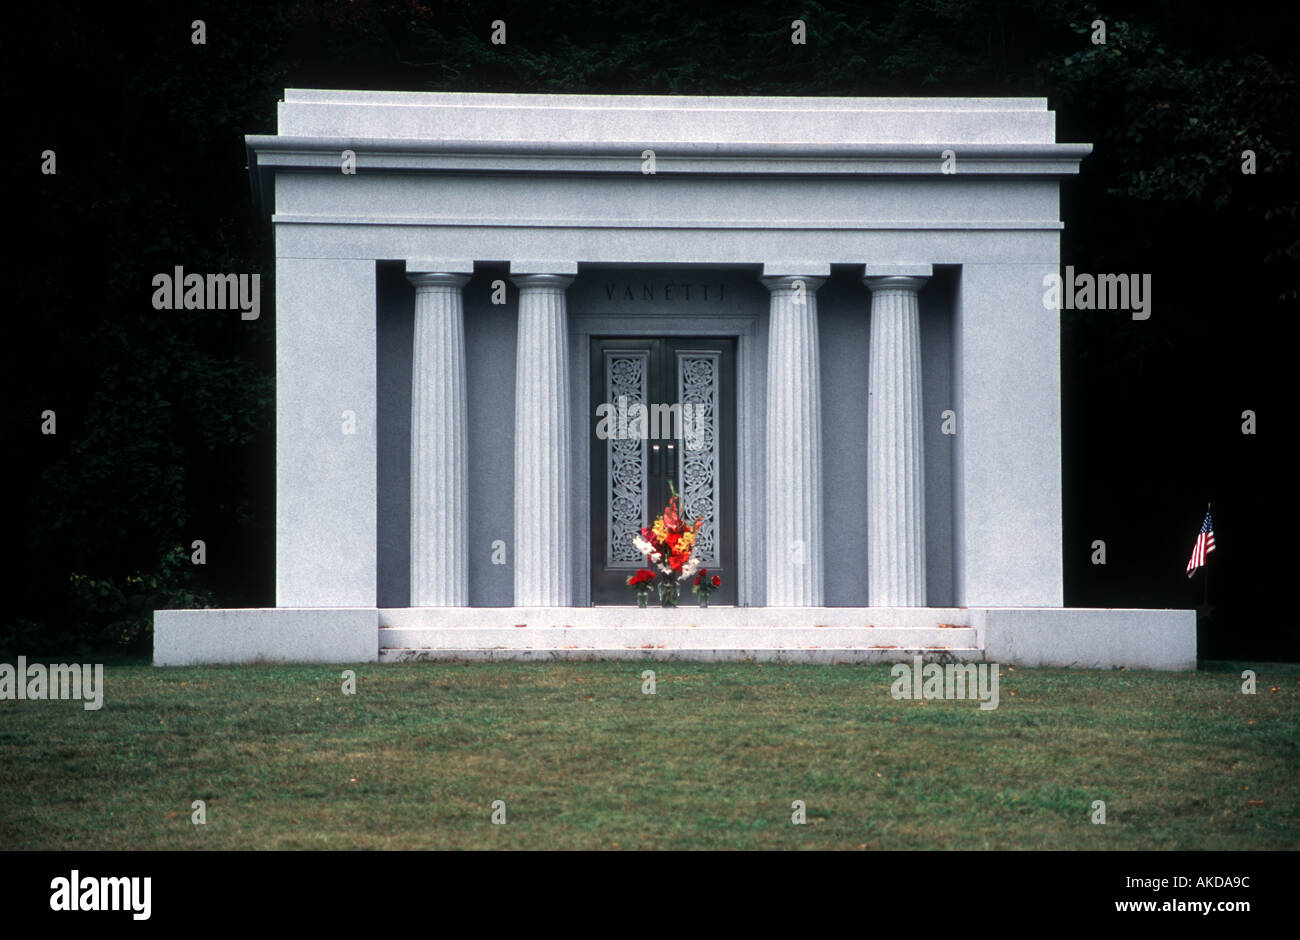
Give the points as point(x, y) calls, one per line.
point(750, 363)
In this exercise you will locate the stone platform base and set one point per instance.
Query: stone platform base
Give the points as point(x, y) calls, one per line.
point(1094, 638)
point(266, 634)
point(719, 634)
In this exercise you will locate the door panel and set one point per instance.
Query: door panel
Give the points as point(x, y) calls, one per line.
point(636, 453)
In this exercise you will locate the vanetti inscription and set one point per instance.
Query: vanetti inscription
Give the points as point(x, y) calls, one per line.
point(669, 293)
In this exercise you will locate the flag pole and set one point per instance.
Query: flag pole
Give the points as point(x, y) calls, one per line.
point(1207, 571)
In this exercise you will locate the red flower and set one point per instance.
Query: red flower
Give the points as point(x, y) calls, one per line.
point(643, 576)
point(717, 582)
point(671, 519)
point(698, 577)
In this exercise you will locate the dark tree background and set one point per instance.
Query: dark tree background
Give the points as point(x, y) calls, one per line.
point(165, 418)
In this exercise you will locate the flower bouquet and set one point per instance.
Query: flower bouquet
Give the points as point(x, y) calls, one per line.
point(705, 584)
point(641, 582)
point(670, 546)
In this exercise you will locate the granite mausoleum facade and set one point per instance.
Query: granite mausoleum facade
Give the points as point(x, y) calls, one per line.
point(846, 295)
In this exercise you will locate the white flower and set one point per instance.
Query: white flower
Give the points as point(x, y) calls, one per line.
point(654, 558)
point(689, 569)
point(642, 546)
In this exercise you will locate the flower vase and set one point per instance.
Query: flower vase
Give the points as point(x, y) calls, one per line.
point(704, 598)
point(667, 592)
point(641, 597)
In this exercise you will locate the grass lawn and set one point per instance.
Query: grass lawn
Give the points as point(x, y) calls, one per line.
point(584, 760)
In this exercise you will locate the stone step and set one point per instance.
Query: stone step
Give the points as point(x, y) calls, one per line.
point(810, 655)
point(684, 616)
point(691, 637)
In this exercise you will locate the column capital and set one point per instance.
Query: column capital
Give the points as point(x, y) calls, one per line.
point(542, 281)
point(896, 275)
point(788, 282)
point(894, 282)
point(430, 280)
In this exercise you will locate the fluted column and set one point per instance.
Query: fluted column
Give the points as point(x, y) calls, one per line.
point(895, 445)
point(439, 498)
point(543, 548)
point(793, 506)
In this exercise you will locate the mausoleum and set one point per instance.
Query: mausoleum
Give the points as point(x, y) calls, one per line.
point(833, 308)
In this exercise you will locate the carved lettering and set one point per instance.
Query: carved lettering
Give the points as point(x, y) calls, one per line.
point(667, 292)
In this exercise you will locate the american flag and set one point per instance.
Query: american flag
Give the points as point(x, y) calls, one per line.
point(1204, 545)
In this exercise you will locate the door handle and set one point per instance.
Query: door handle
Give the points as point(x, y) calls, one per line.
point(654, 460)
point(671, 466)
